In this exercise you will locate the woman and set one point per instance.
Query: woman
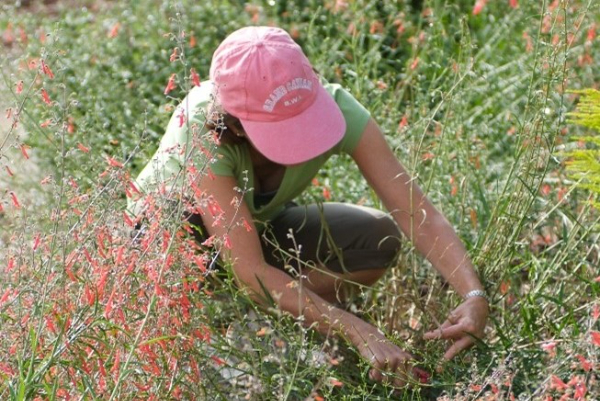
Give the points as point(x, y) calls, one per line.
point(279, 126)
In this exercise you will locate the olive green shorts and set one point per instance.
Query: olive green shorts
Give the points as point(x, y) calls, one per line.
point(341, 237)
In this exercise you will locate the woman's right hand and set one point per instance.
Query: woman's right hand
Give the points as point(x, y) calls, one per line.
point(390, 363)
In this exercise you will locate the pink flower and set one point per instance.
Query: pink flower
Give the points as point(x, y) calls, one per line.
point(478, 7)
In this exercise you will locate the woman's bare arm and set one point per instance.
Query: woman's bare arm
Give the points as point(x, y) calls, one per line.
point(255, 275)
point(428, 230)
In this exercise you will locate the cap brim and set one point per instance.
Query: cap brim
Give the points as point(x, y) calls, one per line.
point(302, 137)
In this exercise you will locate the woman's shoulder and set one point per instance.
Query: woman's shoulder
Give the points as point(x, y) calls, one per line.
point(198, 98)
point(191, 110)
point(347, 102)
point(355, 114)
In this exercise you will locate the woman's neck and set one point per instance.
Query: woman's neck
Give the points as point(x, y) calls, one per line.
point(267, 174)
point(259, 160)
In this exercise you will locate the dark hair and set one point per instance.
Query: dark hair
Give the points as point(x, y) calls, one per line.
point(225, 126)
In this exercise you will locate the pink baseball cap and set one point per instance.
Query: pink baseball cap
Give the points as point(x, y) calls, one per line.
point(262, 77)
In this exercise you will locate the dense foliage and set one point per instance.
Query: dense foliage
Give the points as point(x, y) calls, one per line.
point(584, 164)
point(473, 96)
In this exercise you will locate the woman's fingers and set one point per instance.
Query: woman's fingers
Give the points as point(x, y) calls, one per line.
point(449, 332)
point(460, 333)
point(389, 363)
point(375, 375)
point(463, 324)
point(379, 363)
point(395, 368)
point(457, 347)
point(381, 372)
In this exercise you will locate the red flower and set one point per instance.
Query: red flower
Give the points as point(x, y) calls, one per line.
point(127, 220)
point(46, 70)
point(15, 201)
point(585, 364)
point(71, 125)
point(114, 31)
point(247, 226)
point(45, 97)
point(5, 295)
point(134, 188)
point(335, 382)
point(427, 156)
point(83, 148)
point(218, 360)
point(414, 64)
point(195, 77)
point(591, 33)
point(109, 304)
point(595, 338)
point(181, 118)
point(114, 163)
point(557, 383)
point(170, 85)
point(550, 348)
point(23, 35)
point(596, 312)
point(36, 242)
point(24, 151)
point(174, 55)
point(227, 241)
point(478, 7)
point(404, 122)
point(50, 324)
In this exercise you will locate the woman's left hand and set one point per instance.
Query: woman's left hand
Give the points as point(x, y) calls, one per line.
point(462, 326)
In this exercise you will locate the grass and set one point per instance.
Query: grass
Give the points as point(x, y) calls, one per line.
point(475, 107)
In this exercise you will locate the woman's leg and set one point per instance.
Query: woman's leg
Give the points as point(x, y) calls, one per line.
point(337, 287)
point(332, 244)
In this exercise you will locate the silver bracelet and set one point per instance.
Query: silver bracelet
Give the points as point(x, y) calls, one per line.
point(477, 293)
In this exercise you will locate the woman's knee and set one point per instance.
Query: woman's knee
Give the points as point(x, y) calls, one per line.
point(368, 239)
point(382, 233)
